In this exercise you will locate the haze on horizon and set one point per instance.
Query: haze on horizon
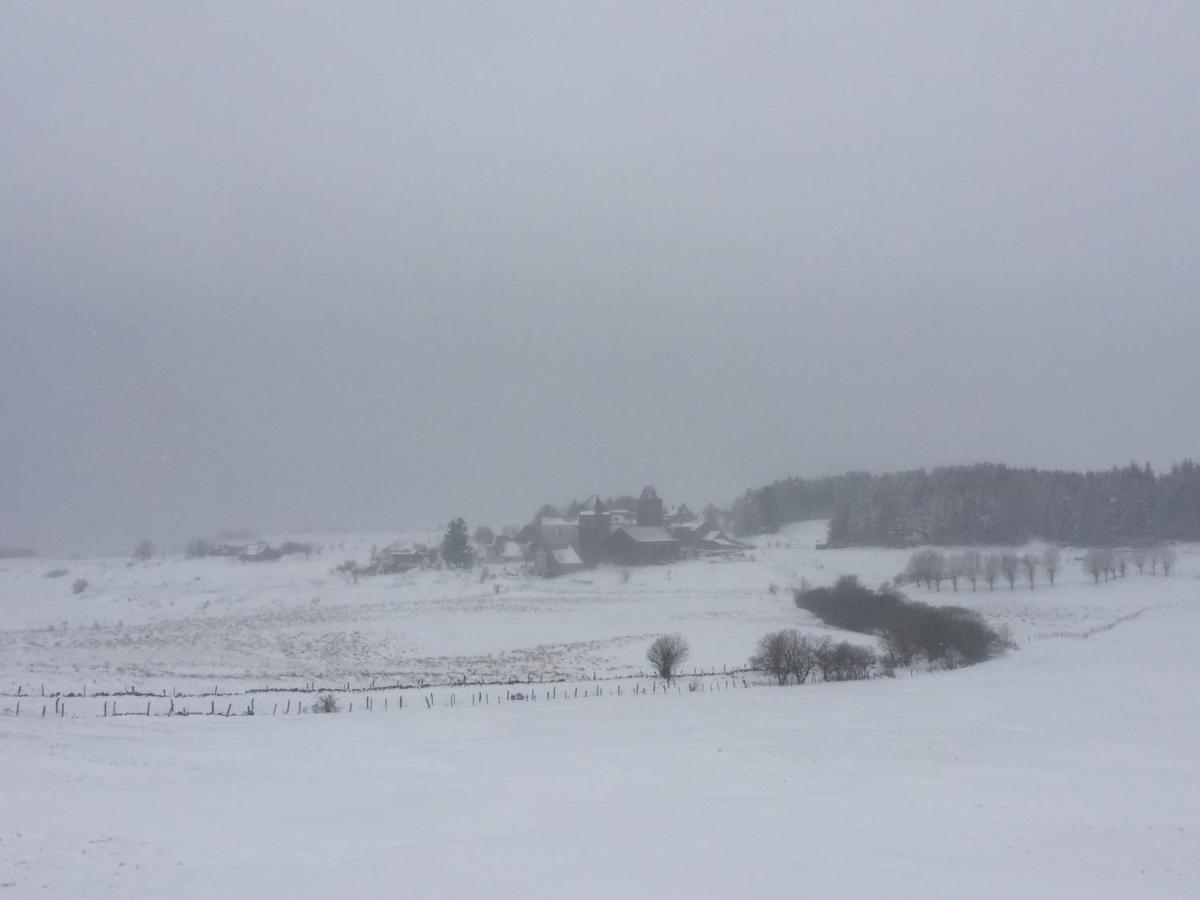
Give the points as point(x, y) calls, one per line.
point(295, 266)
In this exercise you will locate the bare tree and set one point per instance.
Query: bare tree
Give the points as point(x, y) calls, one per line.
point(991, 570)
point(937, 568)
point(801, 657)
point(1009, 565)
point(772, 655)
point(667, 654)
point(954, 569)
point(1167, 557)
point(927, 567)
point(143, 551)
point(1121, 560)
point(1051, 559)
point(1139, 555)
point(918, 568)
point(972, 566)
point(1029, 563)
point(1110, 564)
point(1096, 563)
point(784, 654)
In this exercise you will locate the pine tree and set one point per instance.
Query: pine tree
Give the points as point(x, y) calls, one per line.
point(456, 549)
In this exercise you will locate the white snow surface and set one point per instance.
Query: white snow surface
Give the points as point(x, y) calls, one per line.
point(1068, 768)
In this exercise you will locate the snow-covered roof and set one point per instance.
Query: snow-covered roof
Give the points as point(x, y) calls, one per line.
point(512, 550)
point(398, 547)
point(648, 534)
point(566, 556)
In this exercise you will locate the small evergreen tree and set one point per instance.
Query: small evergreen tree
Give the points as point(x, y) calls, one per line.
point(456, 548)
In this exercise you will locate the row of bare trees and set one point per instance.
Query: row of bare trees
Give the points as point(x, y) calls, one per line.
point(933, 567)
point(1107, 563)
point(790, 654)
point(784, 654)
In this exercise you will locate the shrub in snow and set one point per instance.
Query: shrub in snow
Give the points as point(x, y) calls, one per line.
point(326, 703)
point(844, 661)
point(56, 573)
point(667, 654)
point(947, 635)
point(80, 585)
point(785, 654)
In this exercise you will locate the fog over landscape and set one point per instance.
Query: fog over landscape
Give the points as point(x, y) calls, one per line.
point(599, 450)
point(291, 266)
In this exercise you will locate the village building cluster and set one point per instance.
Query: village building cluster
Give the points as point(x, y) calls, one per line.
point(645, 535)
point(598, 533)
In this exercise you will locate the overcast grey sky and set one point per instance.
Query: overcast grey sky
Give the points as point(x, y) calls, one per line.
point(322, 266)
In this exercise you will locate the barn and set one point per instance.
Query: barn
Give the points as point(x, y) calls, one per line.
point(642, 545)
point(549, 562)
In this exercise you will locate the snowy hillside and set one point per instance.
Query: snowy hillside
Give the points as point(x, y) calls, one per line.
point(1068, 768)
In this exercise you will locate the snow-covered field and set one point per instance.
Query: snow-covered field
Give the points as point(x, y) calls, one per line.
point(1069, 768)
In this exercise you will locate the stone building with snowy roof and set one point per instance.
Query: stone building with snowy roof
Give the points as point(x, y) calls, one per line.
point(642, 545)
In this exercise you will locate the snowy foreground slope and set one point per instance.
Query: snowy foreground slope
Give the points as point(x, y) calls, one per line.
point(1070, 768)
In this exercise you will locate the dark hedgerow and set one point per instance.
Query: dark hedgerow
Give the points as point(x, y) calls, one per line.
point(949, 635)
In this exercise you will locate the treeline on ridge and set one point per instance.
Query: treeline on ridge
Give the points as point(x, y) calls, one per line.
point(985, 503)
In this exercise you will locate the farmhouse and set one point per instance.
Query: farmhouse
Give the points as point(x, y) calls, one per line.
point(642, 545)
point(714, 542)
point(505, 550)
point(259, 551)
point(398, 558)
point(549, 562)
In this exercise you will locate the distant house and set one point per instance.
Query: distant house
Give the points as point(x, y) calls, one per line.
point(679, 516)
point(505, 550)
point(259, 551)
point(619, 517)
point(688, 531)
point(550, 562)
point(642, 545)
point(719, 518)
point(715, 542)
point(398, 558)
